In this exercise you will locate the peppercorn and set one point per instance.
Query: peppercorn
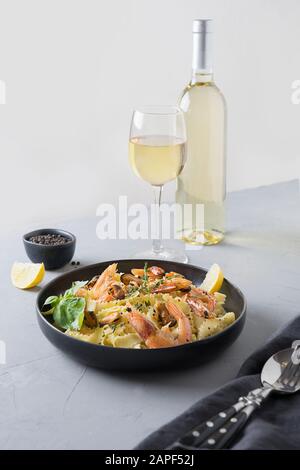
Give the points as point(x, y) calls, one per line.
point(49, 239)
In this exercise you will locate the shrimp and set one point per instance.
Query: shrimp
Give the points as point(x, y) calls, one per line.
point(163, 314)
point(100, 291)
point(171, 285)
point(82, 292)
point(154, 272)
point(155, 338)
point(112, 317)
point(184, 326)
point(201, 303)
point(173, 274)
point(152, 336)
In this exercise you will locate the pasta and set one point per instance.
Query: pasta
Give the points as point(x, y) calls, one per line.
point(145, 309)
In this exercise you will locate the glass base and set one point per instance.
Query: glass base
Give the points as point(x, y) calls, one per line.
point(206, 237)
point(165, 255)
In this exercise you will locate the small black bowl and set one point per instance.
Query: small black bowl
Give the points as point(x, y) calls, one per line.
point(53, 257)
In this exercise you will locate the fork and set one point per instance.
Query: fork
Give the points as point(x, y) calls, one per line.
point(219, 431)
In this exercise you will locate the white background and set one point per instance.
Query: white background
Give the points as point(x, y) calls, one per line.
point(74, 69)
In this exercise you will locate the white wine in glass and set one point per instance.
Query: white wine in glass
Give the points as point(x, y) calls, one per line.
point(157, 152)
point(157, 159)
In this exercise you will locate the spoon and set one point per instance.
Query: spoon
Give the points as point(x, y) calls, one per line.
point(280, 374)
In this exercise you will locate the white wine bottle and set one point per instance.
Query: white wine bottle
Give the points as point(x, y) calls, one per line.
point(202, 181)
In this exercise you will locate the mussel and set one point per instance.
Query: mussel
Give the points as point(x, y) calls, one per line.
point(130, 278)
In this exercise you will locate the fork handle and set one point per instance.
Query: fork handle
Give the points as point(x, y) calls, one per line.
point(223, 436)
point(218, 430)
point(201, 433)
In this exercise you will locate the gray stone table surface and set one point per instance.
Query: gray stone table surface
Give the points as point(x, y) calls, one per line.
point(49, 401)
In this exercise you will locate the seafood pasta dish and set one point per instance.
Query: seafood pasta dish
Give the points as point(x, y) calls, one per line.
point(144, 309)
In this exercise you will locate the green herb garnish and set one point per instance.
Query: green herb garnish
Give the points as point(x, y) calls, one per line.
point(67, 309)
point(144, 288)
point(145, 277)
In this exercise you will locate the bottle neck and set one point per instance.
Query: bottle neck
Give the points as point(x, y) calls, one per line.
point(202, 70)
point(201, 78)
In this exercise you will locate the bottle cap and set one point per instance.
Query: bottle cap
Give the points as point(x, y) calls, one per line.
point(202, 26)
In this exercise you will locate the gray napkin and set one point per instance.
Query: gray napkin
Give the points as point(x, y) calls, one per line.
point(275, 426)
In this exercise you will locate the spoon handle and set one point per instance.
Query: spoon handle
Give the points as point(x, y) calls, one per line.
point(217, 431)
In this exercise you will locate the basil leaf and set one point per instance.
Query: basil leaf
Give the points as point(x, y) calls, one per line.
point(69, 313)
point(67, 310)
point(75, 287)
point(51, 300)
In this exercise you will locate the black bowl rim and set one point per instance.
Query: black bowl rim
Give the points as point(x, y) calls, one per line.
point(187, 345)
point(65, 233)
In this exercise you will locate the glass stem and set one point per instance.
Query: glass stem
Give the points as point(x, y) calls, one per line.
point(157, 246)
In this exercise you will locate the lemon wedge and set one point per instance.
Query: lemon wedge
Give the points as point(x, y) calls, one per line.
point(213, 280)
point(27, 275)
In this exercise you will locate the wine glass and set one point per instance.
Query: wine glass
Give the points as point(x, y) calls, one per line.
point(157, 153)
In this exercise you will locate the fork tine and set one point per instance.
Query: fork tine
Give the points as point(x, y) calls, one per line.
point(298, 381)
point(293, 381)
point(285, 375)
point(294, 377)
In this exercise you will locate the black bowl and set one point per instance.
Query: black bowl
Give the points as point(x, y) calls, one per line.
point(53, 257)
point(106, 357)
